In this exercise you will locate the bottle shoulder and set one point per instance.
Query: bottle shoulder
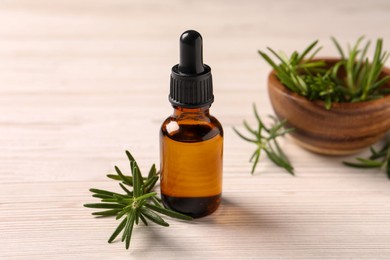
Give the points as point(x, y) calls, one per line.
point(191, 128)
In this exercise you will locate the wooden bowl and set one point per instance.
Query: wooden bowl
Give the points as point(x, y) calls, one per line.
point(344, 129)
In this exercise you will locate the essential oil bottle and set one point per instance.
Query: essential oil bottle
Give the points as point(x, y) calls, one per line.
point(191, 140)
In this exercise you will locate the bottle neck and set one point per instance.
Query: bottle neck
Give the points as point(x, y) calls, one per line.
point(178, 111)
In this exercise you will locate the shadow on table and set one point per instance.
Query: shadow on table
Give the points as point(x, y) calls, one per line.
point(231, 219)
point(232, 215)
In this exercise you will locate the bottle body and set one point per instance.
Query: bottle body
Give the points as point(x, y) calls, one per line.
point(191, 152)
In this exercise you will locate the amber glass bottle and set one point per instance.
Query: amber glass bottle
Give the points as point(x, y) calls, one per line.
point(191, 140)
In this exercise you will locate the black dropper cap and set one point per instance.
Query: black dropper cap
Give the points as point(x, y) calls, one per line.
point(191, 82)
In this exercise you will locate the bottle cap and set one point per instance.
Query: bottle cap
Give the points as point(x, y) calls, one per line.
point(191, 81)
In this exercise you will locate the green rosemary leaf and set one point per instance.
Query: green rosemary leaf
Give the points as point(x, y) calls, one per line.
point(114, 177)
point(269, 60)
point(306, 51)
point(110, 200)
point(334, 71)
point(152, 172)
point(369, 162)
point(279, 161)
point(359, 165)
point(284, 61)
point(380, 83)
point(103, 206)
point(103, 192)
point(133, 162)
point(253, 155)
point(273, 157)
point(129, 156)
point(361, 59)
point(143, 219)
point(117, 230)
point(123, 198)
point(351, 63)
point(129, 219)
point(125, 189)
point(384, 57)
point(106, 213)
point(156, 202)
point(101, 196)
point(128, 229)
point(137, 181)
point(117, 178)
point(259, 121)
point(309, 65)
point(378, 50)
point(279, 151)
point(257, 157)
point(168, 212)
point(339, 49)
point(294, 58)
point(243, 137)
point(361, 78)
point(153, 217)
point(319, 63)
point(137, 214)
point(146, 196)
point(122, 213)
point(149, 183)
point(124, 178)
point(275, 129)
point(250, 130)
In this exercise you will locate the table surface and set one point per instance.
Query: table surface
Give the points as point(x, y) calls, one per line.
point(82, 81)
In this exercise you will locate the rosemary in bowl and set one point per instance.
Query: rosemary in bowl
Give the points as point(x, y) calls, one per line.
point(352, 78)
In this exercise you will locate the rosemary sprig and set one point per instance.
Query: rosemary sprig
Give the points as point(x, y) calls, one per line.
point(140, 203)
point(265, 139)
point(378, 159)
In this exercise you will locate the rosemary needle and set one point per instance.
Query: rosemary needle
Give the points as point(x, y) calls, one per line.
point(138, 202)
point(265, 140)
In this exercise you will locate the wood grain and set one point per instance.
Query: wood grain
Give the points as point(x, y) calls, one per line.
point(81, 81)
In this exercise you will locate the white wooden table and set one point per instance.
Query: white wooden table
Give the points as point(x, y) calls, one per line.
point(82, 81)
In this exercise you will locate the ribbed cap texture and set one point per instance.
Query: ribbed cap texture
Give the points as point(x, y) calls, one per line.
point(191, 91)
